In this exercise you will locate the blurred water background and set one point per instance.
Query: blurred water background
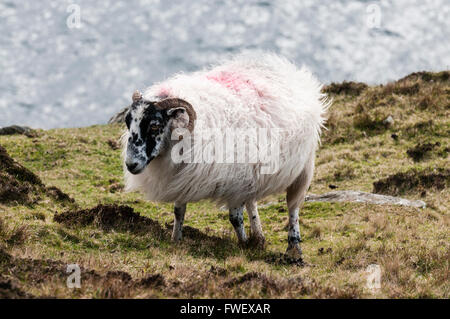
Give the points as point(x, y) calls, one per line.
point(53, 74)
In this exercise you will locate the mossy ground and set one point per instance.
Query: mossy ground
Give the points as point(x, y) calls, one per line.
point(340, 240)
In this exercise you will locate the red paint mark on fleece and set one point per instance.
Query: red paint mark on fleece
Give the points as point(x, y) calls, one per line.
point(234, 81)
point(163, 92)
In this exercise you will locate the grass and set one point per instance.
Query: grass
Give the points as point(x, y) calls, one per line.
point(339, 239)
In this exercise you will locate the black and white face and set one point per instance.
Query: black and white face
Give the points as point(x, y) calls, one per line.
point(147, 126)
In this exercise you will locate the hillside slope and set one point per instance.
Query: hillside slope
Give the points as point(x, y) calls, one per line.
point(390, 139)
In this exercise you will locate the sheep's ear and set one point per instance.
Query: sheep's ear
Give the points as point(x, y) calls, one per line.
point(173, 111)
point(179, 116)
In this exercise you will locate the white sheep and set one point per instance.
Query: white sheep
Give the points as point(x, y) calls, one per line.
point(248, 91)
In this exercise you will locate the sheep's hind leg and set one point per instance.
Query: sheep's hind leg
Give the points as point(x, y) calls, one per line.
point(237, 220)
point(179, 210)
point(257, 237)
point(295, 197)
point(294, 239)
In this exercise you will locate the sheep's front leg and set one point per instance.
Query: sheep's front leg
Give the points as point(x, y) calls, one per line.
point(257, 236)
point(179, 211)
point(237, 220)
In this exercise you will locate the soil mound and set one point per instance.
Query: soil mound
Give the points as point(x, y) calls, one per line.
point(19, 185)
point(15, 129)
point(11, 167)
point(59, 195)
point(109, 217)
point(421, 151)
point(412, 181)
point(348, 88)
point(10, 290)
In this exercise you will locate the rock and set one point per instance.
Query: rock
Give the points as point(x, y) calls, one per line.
point(16, 129)
point(388, 121)
point(119, 117)
point(363, 197)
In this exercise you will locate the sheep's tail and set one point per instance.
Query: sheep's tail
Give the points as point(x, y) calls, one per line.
point(323, 102)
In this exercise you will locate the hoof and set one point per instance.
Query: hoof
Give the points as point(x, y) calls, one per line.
point(243, 244)
point(256, 242)
point(176, 239)
point(293, 255)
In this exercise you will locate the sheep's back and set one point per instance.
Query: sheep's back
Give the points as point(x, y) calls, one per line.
point(263, 91)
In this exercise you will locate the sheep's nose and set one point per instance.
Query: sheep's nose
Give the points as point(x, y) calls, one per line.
point(131, 166)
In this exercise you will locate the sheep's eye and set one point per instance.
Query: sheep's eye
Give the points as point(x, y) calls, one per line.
point(154, 127)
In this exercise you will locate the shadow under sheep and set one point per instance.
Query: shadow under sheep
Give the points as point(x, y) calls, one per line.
point(124, 219)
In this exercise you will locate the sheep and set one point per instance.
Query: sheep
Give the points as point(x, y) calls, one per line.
point(248, 91)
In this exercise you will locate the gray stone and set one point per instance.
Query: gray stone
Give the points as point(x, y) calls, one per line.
point(363, 197)
point(16, 129)
point(389, 121)
point(356, 197)
point(119, 117)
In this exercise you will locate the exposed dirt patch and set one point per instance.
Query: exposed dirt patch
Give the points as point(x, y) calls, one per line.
point(348, 88)
point(151, 281)
point(113, 144)
point(22, 174)
point(20, 185)
point(17, 183)
point(413, 181)
point(59, 195)
point(421, 151)
point(10, 290)
point(107, 217)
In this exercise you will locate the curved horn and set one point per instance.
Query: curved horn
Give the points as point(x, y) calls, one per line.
point(137, 96)
point(175, 103)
